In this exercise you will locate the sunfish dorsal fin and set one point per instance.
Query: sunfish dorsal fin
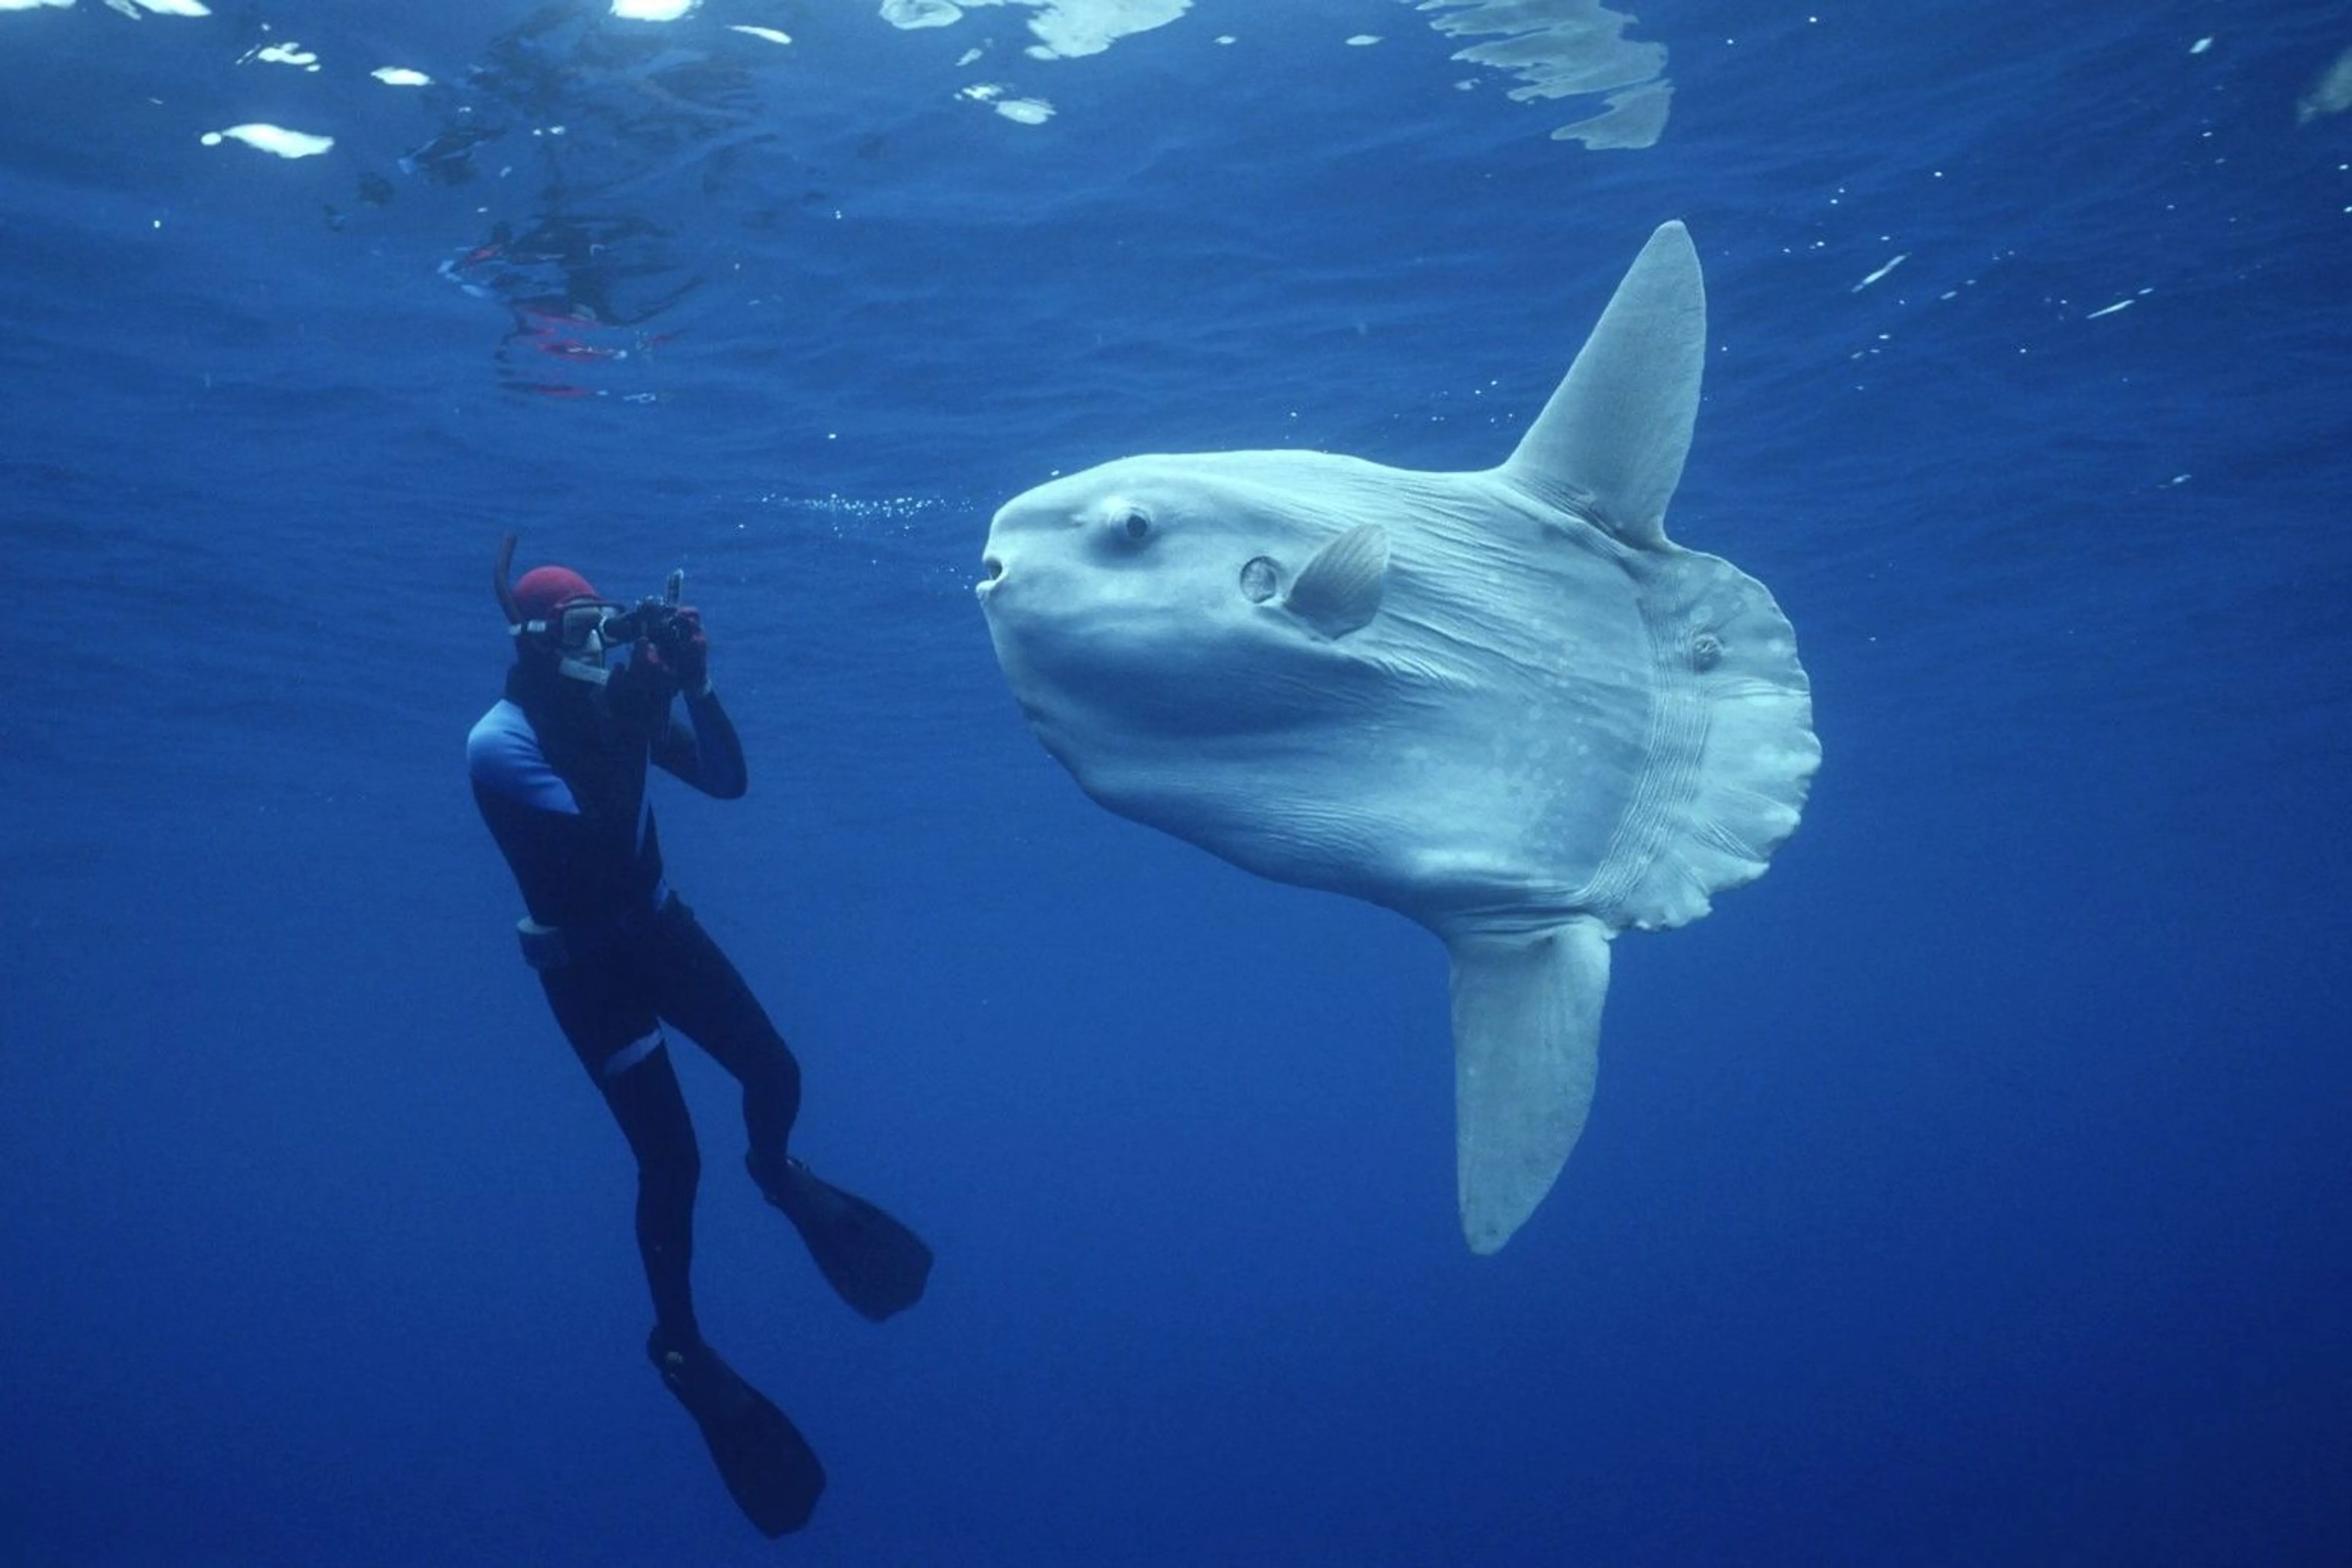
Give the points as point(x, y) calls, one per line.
point(1339, 591)
point(1526, 1042)
point(1612, 440)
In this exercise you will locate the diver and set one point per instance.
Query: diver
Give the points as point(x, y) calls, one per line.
point(558, 769)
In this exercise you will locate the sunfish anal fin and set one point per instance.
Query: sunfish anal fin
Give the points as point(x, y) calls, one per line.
point(1526, 1040)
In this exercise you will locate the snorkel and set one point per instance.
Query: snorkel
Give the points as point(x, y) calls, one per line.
point(499, 585)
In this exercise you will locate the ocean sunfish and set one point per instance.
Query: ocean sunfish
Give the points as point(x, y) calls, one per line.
point(1501, 703)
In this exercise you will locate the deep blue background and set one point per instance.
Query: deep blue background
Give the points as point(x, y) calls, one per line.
point(1973, 1189)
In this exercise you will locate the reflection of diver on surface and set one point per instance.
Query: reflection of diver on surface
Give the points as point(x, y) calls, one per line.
point(588, 115)
point(567, 283)
point(559, 768)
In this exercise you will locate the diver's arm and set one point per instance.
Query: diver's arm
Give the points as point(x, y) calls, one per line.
point(703, 748)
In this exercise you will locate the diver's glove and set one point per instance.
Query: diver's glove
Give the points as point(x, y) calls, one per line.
point(682, 651)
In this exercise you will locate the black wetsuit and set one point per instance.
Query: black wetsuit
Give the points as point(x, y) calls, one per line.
point(561, 783)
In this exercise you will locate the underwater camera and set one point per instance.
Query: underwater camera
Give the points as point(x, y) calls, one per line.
point(652, 620)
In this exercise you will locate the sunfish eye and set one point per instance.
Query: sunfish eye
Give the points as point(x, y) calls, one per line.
point(1137, 525)
point(1260, 579)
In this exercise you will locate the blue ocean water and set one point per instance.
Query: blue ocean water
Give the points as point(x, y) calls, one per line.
point(1973, 1189)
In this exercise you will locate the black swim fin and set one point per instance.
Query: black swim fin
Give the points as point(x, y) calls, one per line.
point(873, 1262)
point(769, 1468)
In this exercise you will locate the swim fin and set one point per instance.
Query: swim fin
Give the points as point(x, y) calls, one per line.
point(769, 1468)
point(873, 1262)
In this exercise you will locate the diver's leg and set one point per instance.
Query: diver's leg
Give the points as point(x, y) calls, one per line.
point(650, 1108)
point(605, 1012)
point(697, 989)
point(618, 1040)
point(872, 1261)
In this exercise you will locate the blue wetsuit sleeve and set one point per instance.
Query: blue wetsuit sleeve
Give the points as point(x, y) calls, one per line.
point(503, 757)
point(703, 748)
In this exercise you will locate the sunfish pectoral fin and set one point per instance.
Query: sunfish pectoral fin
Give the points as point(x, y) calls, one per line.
point(1526, 1039)
point(1339, 591)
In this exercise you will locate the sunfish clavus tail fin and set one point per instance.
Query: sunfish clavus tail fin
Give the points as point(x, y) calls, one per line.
point(1527, 1041)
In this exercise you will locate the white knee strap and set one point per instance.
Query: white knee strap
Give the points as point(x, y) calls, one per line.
point(633, 1053)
